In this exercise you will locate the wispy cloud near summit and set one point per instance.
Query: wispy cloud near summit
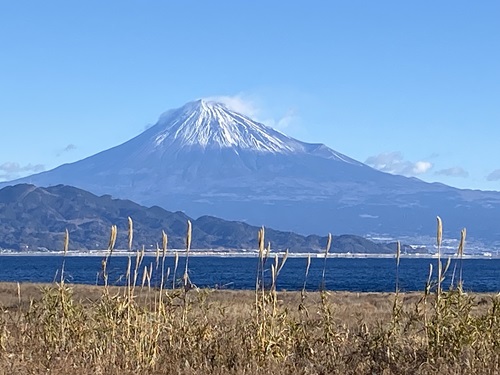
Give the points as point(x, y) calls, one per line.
point(238, 103)
point(253, 108)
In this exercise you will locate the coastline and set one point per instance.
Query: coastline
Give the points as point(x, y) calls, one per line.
point(239, 254)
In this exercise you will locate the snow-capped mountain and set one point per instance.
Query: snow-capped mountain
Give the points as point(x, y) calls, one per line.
point(206, 159)
point(210, 124)
point(205, 124)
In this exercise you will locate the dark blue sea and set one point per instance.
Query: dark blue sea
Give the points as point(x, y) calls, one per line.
point(342, 274)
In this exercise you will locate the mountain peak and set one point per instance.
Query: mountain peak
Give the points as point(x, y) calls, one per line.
point(210, 124)
point(201, 105)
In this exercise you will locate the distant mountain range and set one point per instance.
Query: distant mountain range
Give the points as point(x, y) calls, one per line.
point(34, 218)
point(205, 159)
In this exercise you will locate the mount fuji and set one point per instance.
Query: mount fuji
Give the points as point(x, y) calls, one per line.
point(206, 159)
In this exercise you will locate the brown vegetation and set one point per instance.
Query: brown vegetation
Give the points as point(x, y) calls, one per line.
point(147, 329)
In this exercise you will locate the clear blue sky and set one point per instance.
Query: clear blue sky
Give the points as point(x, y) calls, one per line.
point(408, 87)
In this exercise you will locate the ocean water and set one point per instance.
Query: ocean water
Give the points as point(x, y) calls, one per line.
point(342, 274)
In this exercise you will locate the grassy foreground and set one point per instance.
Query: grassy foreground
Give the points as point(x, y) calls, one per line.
point(163, 327)
point(57, 329)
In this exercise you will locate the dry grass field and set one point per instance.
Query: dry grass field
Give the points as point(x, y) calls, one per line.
point(142, 328)
point(80, 329)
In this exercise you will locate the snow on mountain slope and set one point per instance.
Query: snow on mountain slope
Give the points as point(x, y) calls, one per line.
point(210, 124)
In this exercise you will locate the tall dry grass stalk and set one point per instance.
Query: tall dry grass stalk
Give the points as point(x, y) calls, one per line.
point(139, 256)
point(438, 305)
point(397, 305)
point(461, 248)
point(260, 263)
point(439, 240)
point(326, 310)
point(66, 242)
point(187, 283)
point(105, 261)
point(112, 238)
point(144, 276)
point(268, 318)
point(130, 233)
point(327, 250)
point(157, 256)
point(176, 263)
point(128, 278)
point(259, 277)
point(425, 298)
point(303, 291)
point(276, 268)
point(163, 256)
point(164, 240)
point(398, 257)
point(65, 251)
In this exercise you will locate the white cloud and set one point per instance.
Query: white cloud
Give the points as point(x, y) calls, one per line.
point(248, 106)
point(238, 103)
point(288, 120)
point(420, 167)
point(453, 172)
point(393, 162)
point(494, 176)
point(11, 170)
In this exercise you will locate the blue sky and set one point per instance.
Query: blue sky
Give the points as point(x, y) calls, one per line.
point(408, 87)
